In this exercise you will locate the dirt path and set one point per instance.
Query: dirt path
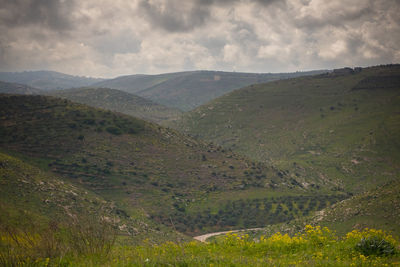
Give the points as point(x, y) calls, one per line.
point(203, 238)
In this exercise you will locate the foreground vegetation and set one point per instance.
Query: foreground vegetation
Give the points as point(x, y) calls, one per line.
point(314, 246)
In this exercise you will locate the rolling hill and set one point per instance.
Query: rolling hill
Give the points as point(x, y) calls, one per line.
point(47, 80)
point(187, 90)
point(151, 171)
point(119, 101)
point(19, 89)
point(342, 127)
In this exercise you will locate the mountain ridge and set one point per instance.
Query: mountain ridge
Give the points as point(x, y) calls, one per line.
point(187, 90)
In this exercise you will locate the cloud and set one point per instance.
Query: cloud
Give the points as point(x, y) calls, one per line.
point(109, 38)
point(175, 15)
point(52, 14)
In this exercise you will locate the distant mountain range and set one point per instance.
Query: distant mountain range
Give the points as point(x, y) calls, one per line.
point(188, 90)
point(47, 80)
point(181, 90)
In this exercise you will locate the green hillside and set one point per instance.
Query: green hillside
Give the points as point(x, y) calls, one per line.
point(20, 89)
point(32, 197)
point(187, 90)
point(47, 80)
point(150, 170)
point(341, 128)
point(119, 101)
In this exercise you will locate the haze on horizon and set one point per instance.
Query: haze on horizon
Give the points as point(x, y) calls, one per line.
point(111, 38)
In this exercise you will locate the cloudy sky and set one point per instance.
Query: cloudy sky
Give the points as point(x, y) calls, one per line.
point(107, 38)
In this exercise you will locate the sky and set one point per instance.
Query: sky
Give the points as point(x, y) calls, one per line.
point(108, 38)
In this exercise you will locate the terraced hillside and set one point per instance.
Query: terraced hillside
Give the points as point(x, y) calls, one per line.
point(119, 101)
point(187, 90)
point(144, 168)
point(341, 128)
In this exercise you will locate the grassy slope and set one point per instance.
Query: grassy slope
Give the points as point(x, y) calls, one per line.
point(187, 90)
point(335, 129)
point(119, 101)
point(29, 193)
point(378, 208)
point(47, 80)
point(15, 88)
point(145, 168)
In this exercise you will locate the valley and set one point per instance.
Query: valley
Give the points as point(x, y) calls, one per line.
point(143, 166)
point(317, 150)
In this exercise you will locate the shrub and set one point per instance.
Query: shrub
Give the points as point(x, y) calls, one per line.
point(375, 245)
point(372, 242)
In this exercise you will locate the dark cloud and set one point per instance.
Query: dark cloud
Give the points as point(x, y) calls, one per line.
point(178, 16)
point(52, 14)
point(175, 16)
